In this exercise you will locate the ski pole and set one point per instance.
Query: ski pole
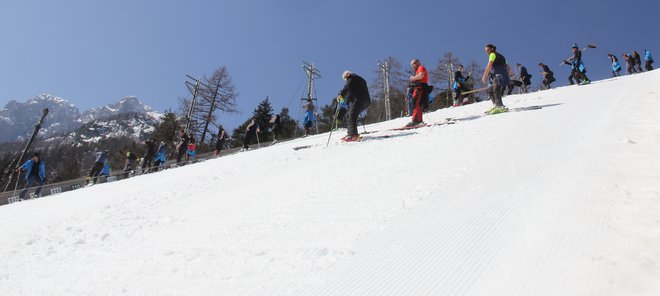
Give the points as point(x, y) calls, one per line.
point(18, 177)
point(333, 124)
point(258, 144)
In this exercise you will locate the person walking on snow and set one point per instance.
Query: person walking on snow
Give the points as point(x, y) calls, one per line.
point(577, 67)
point(638, 61)
point(36, 173)
point(356, 93)
point(497, 74)
point(616, 67)
point(250, 131)
point(648, 60)
point(548, 76)
point(630, 64)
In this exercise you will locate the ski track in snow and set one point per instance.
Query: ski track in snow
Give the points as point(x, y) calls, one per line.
point(558, 201)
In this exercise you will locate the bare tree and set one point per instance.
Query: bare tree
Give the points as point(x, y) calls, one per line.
point(398, 85)
point(214, 94)
point(442, 73)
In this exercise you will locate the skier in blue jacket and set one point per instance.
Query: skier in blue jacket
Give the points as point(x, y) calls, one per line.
point(648, 60)
point(36, 172)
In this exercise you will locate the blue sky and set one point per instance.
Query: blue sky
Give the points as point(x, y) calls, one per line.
point(94, 53)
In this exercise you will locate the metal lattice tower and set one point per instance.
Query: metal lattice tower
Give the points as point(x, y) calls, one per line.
point(385, 69)
point(194, 89)
point(312, 73)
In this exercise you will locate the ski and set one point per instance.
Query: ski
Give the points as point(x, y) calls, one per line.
point(303, 147)
point(516, 109)
point(363, 138)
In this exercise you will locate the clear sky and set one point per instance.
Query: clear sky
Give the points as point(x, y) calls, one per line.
point(95, 52)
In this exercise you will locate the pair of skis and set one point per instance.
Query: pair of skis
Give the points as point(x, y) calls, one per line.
point(365, 136)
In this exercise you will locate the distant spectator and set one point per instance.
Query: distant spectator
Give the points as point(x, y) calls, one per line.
point(161, 156)
point(309, 119)
point(275, 126)
point(130, 163)
point(95, 171)
point(191, 151)
point(149, 154)
point(36, 173)
point(182, 146)
point(222, 136)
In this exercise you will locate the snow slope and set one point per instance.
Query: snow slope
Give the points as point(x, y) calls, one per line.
point(564, 200)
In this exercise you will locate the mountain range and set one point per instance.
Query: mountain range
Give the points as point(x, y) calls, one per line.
point(128, 117)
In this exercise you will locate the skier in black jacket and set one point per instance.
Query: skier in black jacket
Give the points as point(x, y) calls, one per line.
point(250, 131)
point(524, 80)
point(638, 61)
point(150, 153)
point(356, 94)
point(630, 63)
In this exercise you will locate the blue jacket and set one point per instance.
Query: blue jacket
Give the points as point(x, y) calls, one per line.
point(648, 56)
point(28, 167)
point(160, 155)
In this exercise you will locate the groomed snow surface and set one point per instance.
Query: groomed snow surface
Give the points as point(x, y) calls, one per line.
point(564, 200)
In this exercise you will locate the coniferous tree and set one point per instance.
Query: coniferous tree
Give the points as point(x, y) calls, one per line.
point(289, 127)
point(262, 115)
point(167, 130)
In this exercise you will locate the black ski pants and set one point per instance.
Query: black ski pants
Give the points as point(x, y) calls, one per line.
point(354, 111)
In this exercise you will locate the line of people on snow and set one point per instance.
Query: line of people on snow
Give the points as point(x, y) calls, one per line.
point(154, 157)
point(352, 100)
point(633, 62)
